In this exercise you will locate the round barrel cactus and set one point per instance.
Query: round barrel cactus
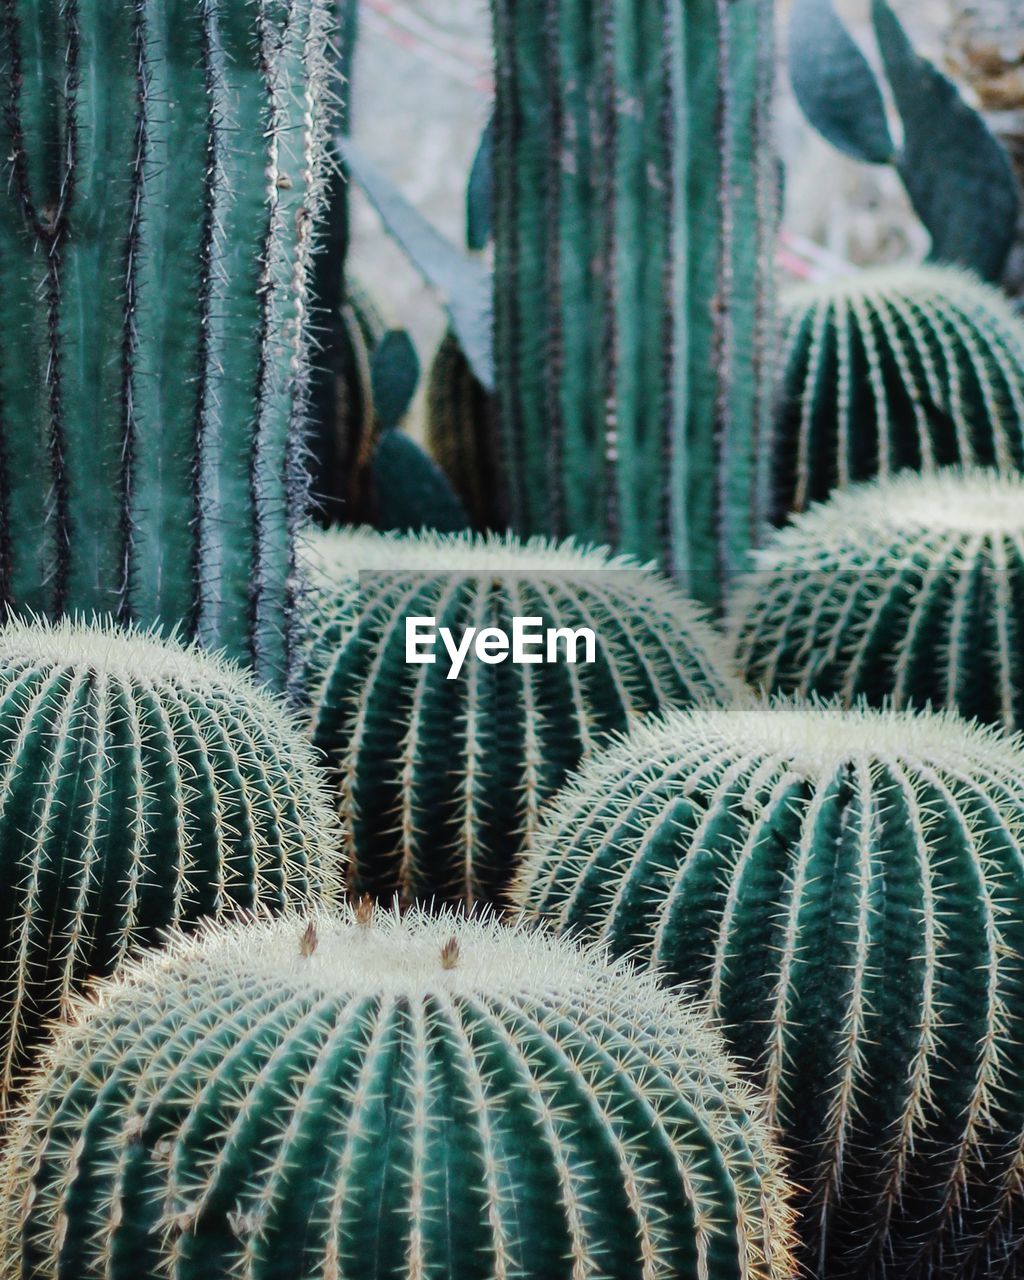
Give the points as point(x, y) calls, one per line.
point(908, 591)
point(847, 889)
point(365, 1095)
point(441, 778)
point(142, 785)
point(895, 368)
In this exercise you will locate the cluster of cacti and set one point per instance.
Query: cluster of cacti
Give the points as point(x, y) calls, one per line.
point(462, 434)
point(892, 369)
point(374, 1096)
point(247, 1076)
point(847, 889)
point(441, 780)
point(907, 591)
point(142, 785)
point(162, 171)
point(633, 223)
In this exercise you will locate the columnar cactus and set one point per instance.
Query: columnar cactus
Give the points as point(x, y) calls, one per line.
point(160, 175)
point(635, 193)
point(142, 784)
point(847, 889)
point(891, 369)
point(382, 1097)
point(907, 591)
point(441, 780)
point(462, 434)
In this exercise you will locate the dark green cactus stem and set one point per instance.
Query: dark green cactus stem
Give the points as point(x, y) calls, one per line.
point(895, 368)
point(847, 889)
point(142, 785)
point(379, 1097)
point(160, 177)
point(462, 434)
point(635, 193)
point(907, 591)
point(441, 781)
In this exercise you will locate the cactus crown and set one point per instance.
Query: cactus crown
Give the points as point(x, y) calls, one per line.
point(909, 590)
point(893, 368)
point(845, 887)
point(441, 783)
point(422, 1095)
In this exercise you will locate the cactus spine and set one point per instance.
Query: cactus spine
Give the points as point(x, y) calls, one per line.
point(634, 213)
point(142, 785)
point(847, 889)
point(891, 369)
point(161, 173)
point(384, 1097)
point(441, 781)
point(908, 591)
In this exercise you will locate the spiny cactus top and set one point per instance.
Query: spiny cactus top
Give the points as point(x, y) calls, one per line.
point(441, 779)
point(389, 1098)
point(848, 890)
point(908, 590)
point(895, 368)
point(635, 193)
point(142, 784)
point(161, 171)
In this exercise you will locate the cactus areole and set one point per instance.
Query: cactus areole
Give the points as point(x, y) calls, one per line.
point(391, 1098)
point(161, 171)
point(847, 889)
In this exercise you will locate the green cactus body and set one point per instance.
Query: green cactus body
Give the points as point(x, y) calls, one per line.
point(462, 434)
point(847, 889)
point(142, 785)
point(893, 369)
point(381, 1097)
point(907, 591)
point(161, 173)
point(344, 428)
point(441, 780)
point(635, 197)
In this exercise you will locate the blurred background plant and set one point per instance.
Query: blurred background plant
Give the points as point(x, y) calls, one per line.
point(838, 213)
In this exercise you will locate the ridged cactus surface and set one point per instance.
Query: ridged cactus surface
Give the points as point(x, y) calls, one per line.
point(142, 785)
point(635, 193)
point(389, 1098)
point(847, 889)
point(462, 434)
point(161, 170)
point(890, 369)
point(908, 591)
point(441, 780)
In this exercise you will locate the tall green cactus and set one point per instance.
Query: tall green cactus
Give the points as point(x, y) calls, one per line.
point(441, 780)
point(847, 888)
point(160, 175)
point(891, 369)
point(908, 591)
point(142, 784)
point(635, 198)
point(373, 1096)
